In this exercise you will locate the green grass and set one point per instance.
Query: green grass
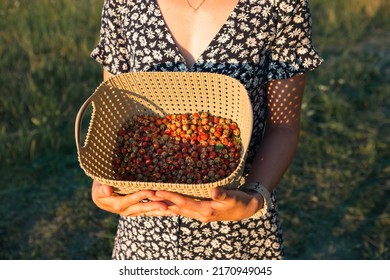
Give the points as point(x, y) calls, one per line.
point(334, 200)
point(45, 203)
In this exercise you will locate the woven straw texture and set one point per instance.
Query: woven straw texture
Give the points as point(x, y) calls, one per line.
point(125, 95)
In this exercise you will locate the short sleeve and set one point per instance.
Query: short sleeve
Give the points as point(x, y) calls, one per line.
point(111, 51)
point(292, 51)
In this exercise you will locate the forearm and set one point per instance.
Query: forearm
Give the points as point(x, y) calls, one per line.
point(277, 151)
point(280, 140)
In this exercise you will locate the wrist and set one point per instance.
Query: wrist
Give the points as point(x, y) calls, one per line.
point(262, 194)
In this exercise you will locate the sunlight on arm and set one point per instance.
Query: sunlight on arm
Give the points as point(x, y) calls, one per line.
point(284, 99)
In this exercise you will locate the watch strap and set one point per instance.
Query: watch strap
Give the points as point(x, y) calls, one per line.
point(265, 193)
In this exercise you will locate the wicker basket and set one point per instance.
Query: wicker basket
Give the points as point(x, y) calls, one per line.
point(125, 95)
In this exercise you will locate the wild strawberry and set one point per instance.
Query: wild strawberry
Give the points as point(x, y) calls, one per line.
point(173, 126)
point(122, 132)
point(217, 134)
point(204, 121)
point(224, 141)
point(203, 136)
point(233, 126)
point(212, 155)
point(179, 156)
point(206, 127)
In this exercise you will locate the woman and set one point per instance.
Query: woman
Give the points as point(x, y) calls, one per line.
point(266, 44)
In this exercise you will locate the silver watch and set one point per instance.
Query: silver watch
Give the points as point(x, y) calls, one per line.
point(258, 187)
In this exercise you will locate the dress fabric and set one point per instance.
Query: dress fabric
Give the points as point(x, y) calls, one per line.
point(261, 40)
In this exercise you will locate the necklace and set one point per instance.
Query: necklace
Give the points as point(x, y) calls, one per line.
point(195, 8)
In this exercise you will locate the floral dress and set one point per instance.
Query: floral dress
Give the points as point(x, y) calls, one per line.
point(261, 40)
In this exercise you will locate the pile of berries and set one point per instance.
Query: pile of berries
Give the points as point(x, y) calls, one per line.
point(191, 148)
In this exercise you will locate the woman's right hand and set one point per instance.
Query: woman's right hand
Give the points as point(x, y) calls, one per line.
point(129, 205)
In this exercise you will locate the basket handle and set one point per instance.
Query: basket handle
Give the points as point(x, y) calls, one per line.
point(79, 118)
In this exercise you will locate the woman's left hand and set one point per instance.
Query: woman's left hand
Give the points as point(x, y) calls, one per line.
point(226, 205)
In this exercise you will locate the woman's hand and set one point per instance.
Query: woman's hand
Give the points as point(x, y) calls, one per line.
point(226, 205)
point(128, 205)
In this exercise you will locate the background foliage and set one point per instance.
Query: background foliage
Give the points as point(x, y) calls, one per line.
point(334, 200)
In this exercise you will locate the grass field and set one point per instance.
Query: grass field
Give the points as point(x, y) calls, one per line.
point(334, 200)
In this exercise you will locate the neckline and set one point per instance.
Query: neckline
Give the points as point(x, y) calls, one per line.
point(209, 45)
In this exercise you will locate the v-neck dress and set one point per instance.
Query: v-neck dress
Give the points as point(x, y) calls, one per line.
point(261, 40)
